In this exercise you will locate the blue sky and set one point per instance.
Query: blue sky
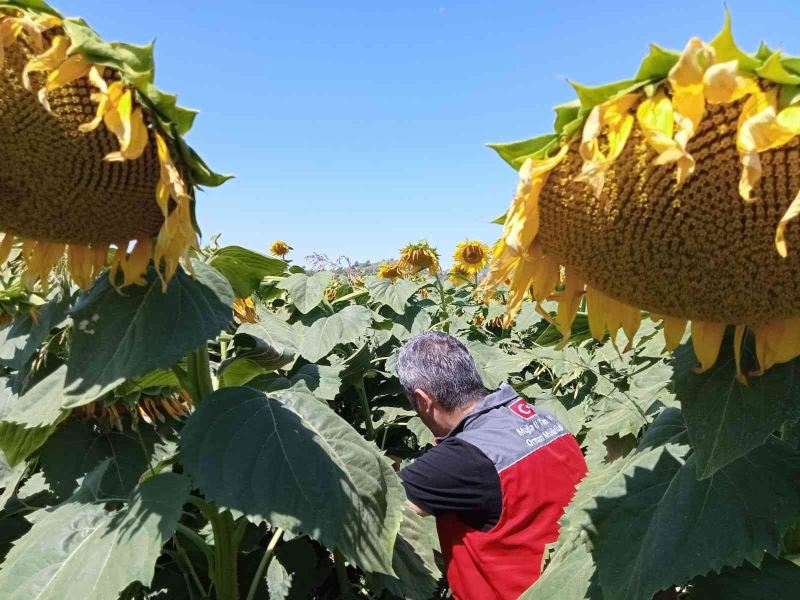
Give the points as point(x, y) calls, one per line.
point(355, 127)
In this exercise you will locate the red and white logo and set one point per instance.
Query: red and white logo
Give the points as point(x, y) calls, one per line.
point(522, 408)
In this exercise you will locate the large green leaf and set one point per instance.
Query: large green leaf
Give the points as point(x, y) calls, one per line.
point(20, 339)
point(395, 295)
point(81, 550)
point(292, 461)
point(413, 322)
point(569, 575)
point(773, 578)
point(417, 575)
point(322, 380)
point(275, 331)
point(774, 70)
point(245, 269)
point(344, 327)
point(727, 419)
point(494, 365)
point(16, 441)
point(661, 526)
point(306, 291)
point(142, 328)
point(76, 448)
point(41, 405)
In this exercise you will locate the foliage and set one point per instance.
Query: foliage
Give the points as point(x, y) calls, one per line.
point(299, 418)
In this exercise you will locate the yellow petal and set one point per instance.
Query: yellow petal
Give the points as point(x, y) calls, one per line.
point(674, 328)
point(777, 342)
point(568, 303)
point(71, 69)
point(5, 246)
point(737, 353)
point(780, 233)
point(686, 80)
point(47, 61)
point(706, 340)
point(612, 117)
point(723, 84)
point(522, 220)
point(655, 118)
point(136, 264)
point(520, 283)
point(597, 307)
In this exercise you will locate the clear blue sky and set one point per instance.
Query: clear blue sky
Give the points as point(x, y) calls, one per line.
point(355, 127)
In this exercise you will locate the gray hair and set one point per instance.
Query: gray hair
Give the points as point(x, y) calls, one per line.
point(442, 366)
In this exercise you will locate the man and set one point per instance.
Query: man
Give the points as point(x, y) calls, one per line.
point(498, 478)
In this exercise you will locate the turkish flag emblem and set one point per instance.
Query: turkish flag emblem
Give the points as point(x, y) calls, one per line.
point(522, 408)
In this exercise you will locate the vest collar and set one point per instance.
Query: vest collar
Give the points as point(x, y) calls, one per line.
point(503, 395)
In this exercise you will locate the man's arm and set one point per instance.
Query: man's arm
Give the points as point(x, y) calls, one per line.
point(417, 509)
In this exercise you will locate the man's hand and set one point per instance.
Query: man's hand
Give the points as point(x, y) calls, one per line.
point(417, 509)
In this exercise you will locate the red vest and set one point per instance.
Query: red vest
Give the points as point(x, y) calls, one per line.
point(539, 464)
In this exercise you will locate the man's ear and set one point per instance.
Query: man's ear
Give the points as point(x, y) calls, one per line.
point(424, 400)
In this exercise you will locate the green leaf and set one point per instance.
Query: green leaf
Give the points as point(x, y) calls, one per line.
point(501, 220)
point(75, 449)
point(21, 338)
point(292, 461)
point(763, 52)
point(128, 329)
point(322, 380)
point(516, 153)
point(420, 431)
point(274, 331)
point(774, 578)
point(254, 356)
point(17, 442)
point(565, 114)
point(343, 327)
point(568, 576)
point(726, 419)
point(789, 94)
point(37, 5)
point(245, 269)
point(644, 529)
point(83, 551)
point(526, 318)
point(306, 291)
point(394, 295)
point(201, 173)
point(494, 365)
point(417, 575)
point(657, 64)
point(773, 70)
point(41, 405)
point(134, 62)
point(414, 321)
point(592, 96)
point(293, 572)
point(726, 49)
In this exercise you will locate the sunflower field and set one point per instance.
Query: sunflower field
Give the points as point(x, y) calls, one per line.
point(194, 421)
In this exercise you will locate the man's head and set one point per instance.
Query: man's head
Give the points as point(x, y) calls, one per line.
point(440, 379)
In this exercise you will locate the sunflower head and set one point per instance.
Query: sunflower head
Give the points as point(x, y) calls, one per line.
point(676, 193)
point(472, 256)
point(99, 158)
point(458, 274)
point(389, 270)
point(280, 248)
point(415, 258)
point(244, 310)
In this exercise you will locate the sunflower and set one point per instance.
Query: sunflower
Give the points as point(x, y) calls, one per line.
point(471, 256)
point(418, 257)
point(675, 193)
point(458, 275)
point(280, 248)
point(389, 270)
point(99, 161)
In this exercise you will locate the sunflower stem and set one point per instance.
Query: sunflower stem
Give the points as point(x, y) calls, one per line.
point(362, 395)
point(199, 374)
point(265, 560)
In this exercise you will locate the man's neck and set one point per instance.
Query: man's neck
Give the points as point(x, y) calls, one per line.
point(453, 418)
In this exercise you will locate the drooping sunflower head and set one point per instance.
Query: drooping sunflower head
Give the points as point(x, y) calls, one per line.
point(471, 255)
point(675, 192)
point(389, 270)
point(94, 152)
point(458, 274)
point(418, 257)
point(280, 248)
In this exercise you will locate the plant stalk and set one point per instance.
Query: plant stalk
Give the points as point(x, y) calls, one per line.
point(184, 558)
point(265, 560)
point(226, 549)
point(362, 395)
point(199, 374)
